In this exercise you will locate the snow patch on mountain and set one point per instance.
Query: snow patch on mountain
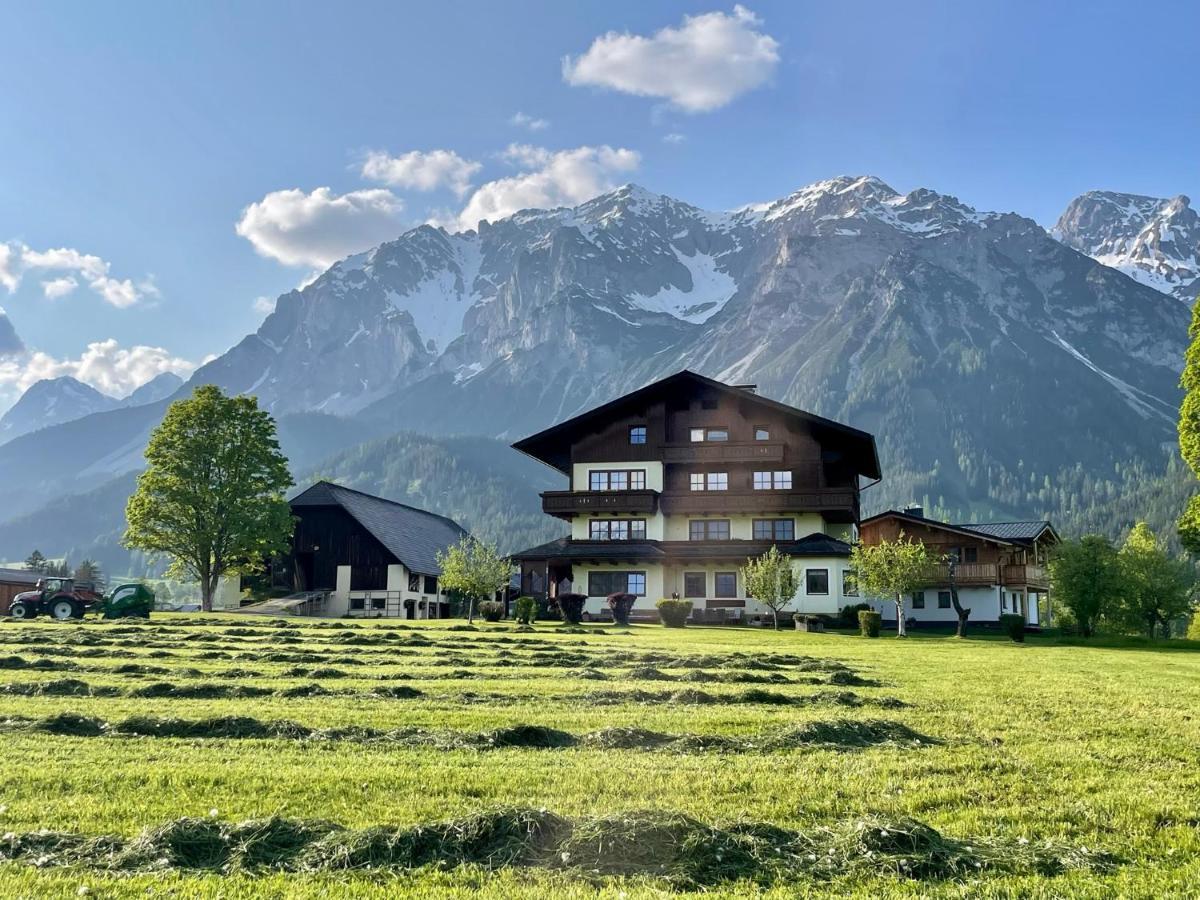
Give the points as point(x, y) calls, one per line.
point(711, 289)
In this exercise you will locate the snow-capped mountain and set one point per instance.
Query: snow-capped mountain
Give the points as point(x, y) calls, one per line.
point(1152, 240)
point(990, 359)
point(52, 401)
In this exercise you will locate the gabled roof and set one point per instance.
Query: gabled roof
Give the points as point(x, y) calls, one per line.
point(414, 536)
point(997, 532)
point(1021, 532)
point(18, 576)
point(816, 544)
point(552, 446)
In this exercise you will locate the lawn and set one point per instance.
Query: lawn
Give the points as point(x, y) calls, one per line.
point(623, 763)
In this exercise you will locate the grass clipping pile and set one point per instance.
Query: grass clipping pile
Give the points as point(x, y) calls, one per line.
point(671, 846)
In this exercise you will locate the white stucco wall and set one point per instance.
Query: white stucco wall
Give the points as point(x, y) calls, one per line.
point(580, 530)
point(741, 527)
point(984, 603)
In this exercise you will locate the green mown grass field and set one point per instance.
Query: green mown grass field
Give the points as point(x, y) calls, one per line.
point(624, 763)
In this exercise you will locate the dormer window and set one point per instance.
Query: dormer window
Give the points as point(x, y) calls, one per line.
point(637, 434)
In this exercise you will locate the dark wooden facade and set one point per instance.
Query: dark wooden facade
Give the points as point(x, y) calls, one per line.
point(823, 476)
point(327, 537)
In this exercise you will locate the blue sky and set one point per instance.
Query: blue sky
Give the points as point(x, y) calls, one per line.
point(137, 135)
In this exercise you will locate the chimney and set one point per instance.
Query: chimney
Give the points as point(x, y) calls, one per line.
point(917, 512)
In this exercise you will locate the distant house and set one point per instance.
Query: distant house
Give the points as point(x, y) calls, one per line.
point(1000, 567)
point(673, 487)
point(370, 556)
point(13, 582)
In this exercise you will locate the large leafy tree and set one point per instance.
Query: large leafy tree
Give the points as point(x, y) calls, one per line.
point(1085, 580)
point(889, 570)
point(474, 569)
point(1155, 588)
point(771, 580)
point(212, 495)
point(1189, 431)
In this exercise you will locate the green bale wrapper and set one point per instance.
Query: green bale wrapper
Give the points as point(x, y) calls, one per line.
point(134, 599)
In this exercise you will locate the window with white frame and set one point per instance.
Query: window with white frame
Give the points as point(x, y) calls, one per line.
point(849, 583)
point(716, 481)
point(777, 481)
point(816, 581)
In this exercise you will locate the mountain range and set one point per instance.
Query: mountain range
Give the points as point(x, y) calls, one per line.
point(1007, 371)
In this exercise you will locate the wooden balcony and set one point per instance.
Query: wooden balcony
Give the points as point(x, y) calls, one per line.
point(1027, 575)
point(965, 575)
point(567, 504)
point(723, 451)
point(820, 500)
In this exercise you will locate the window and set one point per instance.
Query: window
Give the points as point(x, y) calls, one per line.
point(918, 599)
point(779, 481)
point(695, 584)
point(696, 479)
point(414, 582)
point(601, 584)
point(943, 599)
point(774, 530)
point(357, 603)
point(970, 554)
point(430, 585)
point(849, 583)
point(708, 529)
point(637, 434)
point(708, 434)
point(762, 433)
point(379, 603)
point(717, 481)
point(616, 529)
point(725, 584)
point(696, 434)
point(618, 480)
point(816, 581)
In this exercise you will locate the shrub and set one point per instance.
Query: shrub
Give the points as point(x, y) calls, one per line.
point(848, 618)
point(1014, 626)
point(869, 622)
point(674, 613)
point(570, 606)
point(491, 610)
point(621, 603)
point(525, 609)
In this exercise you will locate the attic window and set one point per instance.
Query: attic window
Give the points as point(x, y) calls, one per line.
point(762, 433)
point(637, 434)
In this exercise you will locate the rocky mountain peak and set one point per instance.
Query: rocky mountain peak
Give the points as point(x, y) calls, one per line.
point(1153, 240)
point(52, 401)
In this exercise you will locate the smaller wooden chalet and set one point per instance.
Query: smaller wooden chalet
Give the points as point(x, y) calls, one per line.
point(13, 582)
point(365, 555)
point(999, 567)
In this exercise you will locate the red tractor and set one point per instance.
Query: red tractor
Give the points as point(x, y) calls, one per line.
point(59, 598)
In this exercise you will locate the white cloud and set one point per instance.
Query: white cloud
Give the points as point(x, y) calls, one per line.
point(105, 365)
point(59, 287)
point(549, 179)
point(319, 228)
point(16, 259)
point(264, 305)
point(674, 138)
point(524, 120)
point(700, 65)
point(421, 171)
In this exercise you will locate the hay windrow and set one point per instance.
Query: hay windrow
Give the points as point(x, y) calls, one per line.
point(667, 845)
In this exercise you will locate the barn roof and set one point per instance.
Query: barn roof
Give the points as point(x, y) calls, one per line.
point(414, 536)
point(18, 576)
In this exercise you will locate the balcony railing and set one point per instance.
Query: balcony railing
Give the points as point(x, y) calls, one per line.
point(1027, 574)
point(571, 503)
point(964, 574)
point(819, 500)
point(723, 451)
